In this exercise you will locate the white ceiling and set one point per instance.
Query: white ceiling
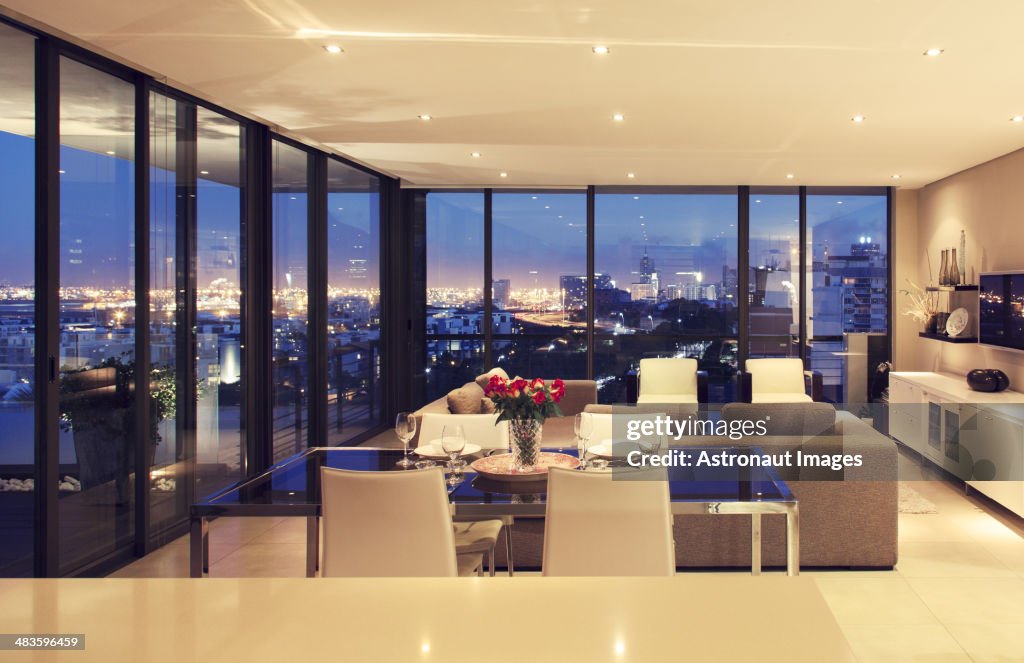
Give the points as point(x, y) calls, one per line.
point(738, 92)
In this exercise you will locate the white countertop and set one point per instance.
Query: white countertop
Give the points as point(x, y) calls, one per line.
point(689, 617)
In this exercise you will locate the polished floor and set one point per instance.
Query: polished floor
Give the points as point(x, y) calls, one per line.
point(957, 593)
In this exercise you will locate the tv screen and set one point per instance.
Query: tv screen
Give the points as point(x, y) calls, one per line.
point(1000, 317)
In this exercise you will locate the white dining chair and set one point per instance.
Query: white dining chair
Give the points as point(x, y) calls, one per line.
point(480, 429)
point(605, 427)
point(392, 523)
point(474, 535)
point(597, 525)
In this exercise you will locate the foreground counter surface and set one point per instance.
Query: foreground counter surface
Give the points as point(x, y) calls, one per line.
point(692, 618)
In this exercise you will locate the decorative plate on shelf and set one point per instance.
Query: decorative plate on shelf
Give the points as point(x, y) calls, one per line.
point(434, 450)
point(499, 467)
point(957, 322)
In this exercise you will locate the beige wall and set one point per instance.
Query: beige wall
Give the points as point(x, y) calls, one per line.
point(988, 202)
point(906, 254)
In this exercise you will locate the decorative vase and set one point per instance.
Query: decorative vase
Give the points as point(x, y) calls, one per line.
point(932, 324)
point(963, 257)
point(987, 379)
point(944, 268)
point(954, 270)
point(525, 434)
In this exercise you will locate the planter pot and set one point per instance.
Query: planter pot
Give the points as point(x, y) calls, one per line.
point(931, 325)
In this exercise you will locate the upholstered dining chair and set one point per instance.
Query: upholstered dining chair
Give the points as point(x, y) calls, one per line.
point(612, 426)
point(600, 526)
point(779, 380)
point(475, 536)
point(671, 380)
point(389, 524)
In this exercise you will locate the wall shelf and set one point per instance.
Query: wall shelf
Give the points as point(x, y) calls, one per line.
point(952, 288)
point(948, 339)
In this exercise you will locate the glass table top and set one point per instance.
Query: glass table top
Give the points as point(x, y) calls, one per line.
point(291, 487)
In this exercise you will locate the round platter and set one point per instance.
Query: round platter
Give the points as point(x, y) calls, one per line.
point(957, 322)
point(499, 468)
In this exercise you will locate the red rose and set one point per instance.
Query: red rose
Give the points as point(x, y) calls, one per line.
point(518, 385)
point(539, 398)
point(538, 383)
point(557, 390)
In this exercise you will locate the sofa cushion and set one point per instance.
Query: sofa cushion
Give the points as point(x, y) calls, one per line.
point(803, 419)
point(482, 380)
point(487, 406)
point(466, 399)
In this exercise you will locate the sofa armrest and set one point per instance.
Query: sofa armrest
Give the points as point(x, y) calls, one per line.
point(632, 386)
point(702, 386)
point(746, 387)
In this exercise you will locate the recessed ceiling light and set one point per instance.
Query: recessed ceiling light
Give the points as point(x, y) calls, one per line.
point(896, 176)
point(424, 117)
point(333, 49)
point(1017, 118)
point(475, 155)
point(630, 175)
point(618, 117)
point(933, 52)
point(857, 119)
point(111, 152)
point(503, 174)
point(602, 50)
point(790, 176)
point(204, 172)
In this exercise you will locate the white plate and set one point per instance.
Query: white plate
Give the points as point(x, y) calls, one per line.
point(605, 449)
point(957, 322)
point(433, 449)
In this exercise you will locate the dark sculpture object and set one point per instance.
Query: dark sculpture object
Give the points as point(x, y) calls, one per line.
point(987, 379)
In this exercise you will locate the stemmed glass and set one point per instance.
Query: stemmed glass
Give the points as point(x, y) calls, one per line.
point(405, 428)
point(453, 441)
point(583, 427)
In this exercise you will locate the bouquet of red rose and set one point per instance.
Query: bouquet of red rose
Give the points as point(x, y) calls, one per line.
point(525, 399)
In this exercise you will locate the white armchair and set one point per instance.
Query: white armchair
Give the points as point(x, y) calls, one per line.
point(780, 380)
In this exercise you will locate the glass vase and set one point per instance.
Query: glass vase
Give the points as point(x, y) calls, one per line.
point(525, 434)
point(954, 270)
point(944, 268)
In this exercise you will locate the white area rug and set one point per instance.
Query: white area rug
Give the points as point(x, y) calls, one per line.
point(912, 501)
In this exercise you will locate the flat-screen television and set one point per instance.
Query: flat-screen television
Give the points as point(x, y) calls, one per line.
point(1000, 312)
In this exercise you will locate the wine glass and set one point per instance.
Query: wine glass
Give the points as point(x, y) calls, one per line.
point(405, 428)
point(453, 440)
point(583, 426)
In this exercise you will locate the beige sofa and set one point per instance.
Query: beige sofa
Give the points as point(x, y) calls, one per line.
point(847, 524)
point(557, 431)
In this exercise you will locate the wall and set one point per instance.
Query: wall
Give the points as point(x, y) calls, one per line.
point(905, 257)
point(988, 202)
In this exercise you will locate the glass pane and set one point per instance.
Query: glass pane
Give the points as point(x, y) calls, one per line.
point(168, 502)
point(539, 259)
point(774, 279)
point(97, 297)
point(354, 388)
point(847, 281)
point(455, 275)
point(290, 283)
point(17, 308)
point(666, 268)
point(219, 264)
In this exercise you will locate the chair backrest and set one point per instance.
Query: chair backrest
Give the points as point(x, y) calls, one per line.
point(386, 524)
point(600, 526)
point(668, 376)
point(613, 426)
point(776, 375)
point(480, 429)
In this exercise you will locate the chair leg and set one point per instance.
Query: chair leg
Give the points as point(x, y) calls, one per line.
point(490, 561)
point(508, 549)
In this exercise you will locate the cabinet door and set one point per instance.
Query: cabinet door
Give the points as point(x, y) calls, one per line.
point(996, 452)
point(933, 430)
point(905, 414)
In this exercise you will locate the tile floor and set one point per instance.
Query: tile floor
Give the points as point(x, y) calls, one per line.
point(957, 593)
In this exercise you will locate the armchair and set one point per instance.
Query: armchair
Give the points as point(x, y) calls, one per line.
point(667, 380)
point(779, 380)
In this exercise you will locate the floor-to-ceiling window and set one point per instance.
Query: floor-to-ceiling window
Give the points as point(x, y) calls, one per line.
point(17, 302)
point(97, 313)
point(539, 283)
point(847, 280)
point(665, 284)
point(290, 267)
point(455, 298)
point(354, 381)
point(774, 273)
point(219, 263)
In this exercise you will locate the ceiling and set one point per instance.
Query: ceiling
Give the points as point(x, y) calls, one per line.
point(743, 92)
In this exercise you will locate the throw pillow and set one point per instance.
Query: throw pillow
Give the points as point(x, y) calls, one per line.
point(482, 380)
point(465, 399)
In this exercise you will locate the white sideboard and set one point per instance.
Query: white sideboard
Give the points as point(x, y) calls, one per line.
point(969, 433)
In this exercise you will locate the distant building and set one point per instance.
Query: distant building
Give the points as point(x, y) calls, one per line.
point(500, 289)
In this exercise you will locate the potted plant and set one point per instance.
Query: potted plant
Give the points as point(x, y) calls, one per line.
point(525, 404)
point(923, 306)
